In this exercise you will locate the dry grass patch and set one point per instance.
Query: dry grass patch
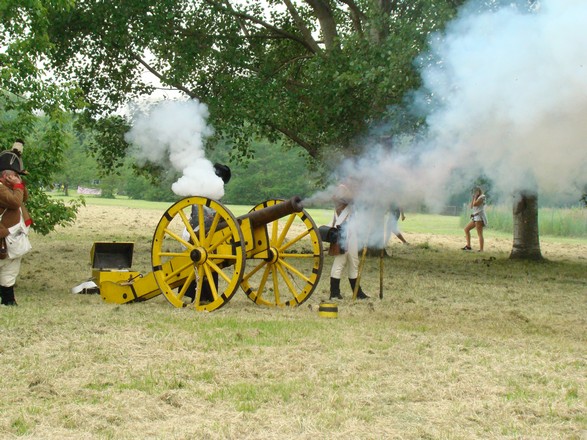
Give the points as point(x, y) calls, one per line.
point(462, 346)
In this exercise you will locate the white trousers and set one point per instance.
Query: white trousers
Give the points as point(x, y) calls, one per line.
point(9, 269)
point(351, 257)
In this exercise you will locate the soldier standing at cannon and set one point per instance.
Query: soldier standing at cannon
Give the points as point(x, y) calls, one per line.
point(346, 250)
point(222, 171)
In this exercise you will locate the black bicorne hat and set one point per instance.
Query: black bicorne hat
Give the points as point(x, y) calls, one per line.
point(11, 161)
point(222, 171)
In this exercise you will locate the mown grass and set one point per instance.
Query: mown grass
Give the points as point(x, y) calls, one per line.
point(461, 346)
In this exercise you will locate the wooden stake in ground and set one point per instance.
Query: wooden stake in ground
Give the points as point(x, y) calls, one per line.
point(381, 272)
point(361, 264)
point(382, 254)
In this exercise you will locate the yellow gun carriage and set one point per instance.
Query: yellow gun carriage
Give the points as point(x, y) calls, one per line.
point(278, 239)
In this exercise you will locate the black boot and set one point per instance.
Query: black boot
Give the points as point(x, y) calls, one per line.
point(7, 294)
point(335, 288)
point(190, 292)
point(360, 293)
point(206, 296)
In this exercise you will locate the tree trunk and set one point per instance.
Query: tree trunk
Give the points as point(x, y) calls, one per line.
point(380, 31)
point(325, 16)
point(526, 238)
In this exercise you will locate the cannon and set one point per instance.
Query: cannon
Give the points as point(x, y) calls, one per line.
point(278, 239)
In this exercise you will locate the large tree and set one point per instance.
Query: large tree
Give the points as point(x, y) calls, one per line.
point(313, 73)
point(33, 106)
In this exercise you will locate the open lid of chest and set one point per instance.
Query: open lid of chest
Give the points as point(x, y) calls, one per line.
point(112, 255)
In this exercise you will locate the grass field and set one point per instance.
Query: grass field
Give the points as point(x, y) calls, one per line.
point(462, 346)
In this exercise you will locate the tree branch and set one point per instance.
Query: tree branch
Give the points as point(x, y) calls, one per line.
point(240, 22)
point(311, 149)
point(324, 14)
point(261, 23)
point(301, 25)
point(291, 61)
point(163, 79)
point(357, 16)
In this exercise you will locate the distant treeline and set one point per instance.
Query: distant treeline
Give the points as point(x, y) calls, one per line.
point(273, 172)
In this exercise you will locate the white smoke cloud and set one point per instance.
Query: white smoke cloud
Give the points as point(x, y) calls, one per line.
point(172, 133)
point(512, 87)
point(505, 96)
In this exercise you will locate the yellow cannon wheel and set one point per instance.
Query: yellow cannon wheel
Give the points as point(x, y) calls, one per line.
point(205, 261)
point(290, 271)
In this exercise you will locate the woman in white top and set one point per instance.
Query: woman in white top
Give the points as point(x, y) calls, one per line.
point(478, 219)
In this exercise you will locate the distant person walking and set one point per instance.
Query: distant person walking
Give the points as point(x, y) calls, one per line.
point(206, 295)
point(478, 219)
point(395, 214)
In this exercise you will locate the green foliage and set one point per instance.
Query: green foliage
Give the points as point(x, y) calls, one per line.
point(78, 167)
point(15, 120)
point(275, 172)
point(260, 69)
point(48, 213)
point(46, 139)
point(105, 140)
point(140, 187)
point(42, 153)
point(264, 72)
point(32, 104)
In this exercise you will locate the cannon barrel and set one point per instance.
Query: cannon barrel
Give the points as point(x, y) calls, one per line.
point(271, 213)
